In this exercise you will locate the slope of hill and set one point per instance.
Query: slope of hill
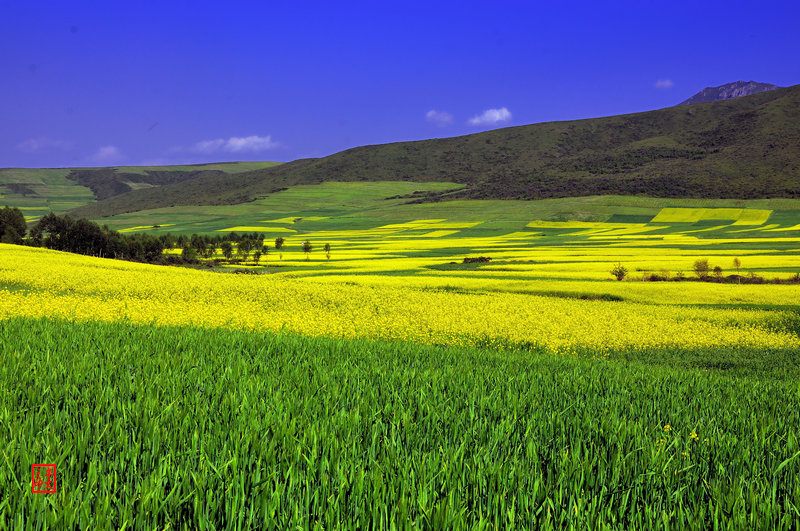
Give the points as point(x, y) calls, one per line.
point(38, 190)
point(737, 89)
point(108, 182)
point(742, 148)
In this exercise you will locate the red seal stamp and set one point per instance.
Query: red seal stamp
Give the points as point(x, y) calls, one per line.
point(43, 479)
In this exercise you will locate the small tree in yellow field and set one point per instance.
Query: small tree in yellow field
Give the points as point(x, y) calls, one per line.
point(307, 248)
point(701, 268)
point(327, 249)
point(619, 271)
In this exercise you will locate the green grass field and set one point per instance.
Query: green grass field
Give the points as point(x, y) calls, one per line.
point(191, 428)
point(39, 191)
point(353, 206)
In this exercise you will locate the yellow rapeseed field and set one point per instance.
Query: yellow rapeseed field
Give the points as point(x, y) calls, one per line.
point(38, 282)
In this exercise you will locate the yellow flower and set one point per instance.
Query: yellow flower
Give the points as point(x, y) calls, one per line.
point(667, 428)
point(693, 435)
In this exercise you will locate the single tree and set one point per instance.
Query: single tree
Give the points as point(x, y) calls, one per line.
point(701, 268)
point(227, 250)
point(718, 273)
point(12, 225)
point(327, 249)
point(199, 244)
point(189, 253)
point(619, 271)
point(279, 246)
point(307, 248)
point(737, 264)
point(244, 247)
point(10, 235)
point(265, 253)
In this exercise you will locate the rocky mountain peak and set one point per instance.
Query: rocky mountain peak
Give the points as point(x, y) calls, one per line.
point(728, 91)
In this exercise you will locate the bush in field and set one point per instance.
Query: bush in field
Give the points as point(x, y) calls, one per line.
point(701, 268)
point(327, 249)
point(661, 276)
point(279, 246)
point(718, 273)
point(752, 278)
point(619, 271)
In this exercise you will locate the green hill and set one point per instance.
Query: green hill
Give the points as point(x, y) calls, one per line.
point(743, 148)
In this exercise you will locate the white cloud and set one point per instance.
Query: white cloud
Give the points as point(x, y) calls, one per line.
point(106, 156)
point(235, 144)
point(664, 84)
point(208, 146)
point(35, 145)
point(491, 117)
point(440, 118)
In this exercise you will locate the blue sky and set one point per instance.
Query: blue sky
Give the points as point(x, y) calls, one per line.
point(107, 83)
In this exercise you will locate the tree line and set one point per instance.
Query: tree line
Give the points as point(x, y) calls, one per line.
point(81, 236)
point(704, 272)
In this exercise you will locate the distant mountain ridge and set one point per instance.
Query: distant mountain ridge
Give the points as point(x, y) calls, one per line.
point(737, 89)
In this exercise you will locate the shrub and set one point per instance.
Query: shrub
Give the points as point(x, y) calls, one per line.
point(619, 271)
point(701, 268)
